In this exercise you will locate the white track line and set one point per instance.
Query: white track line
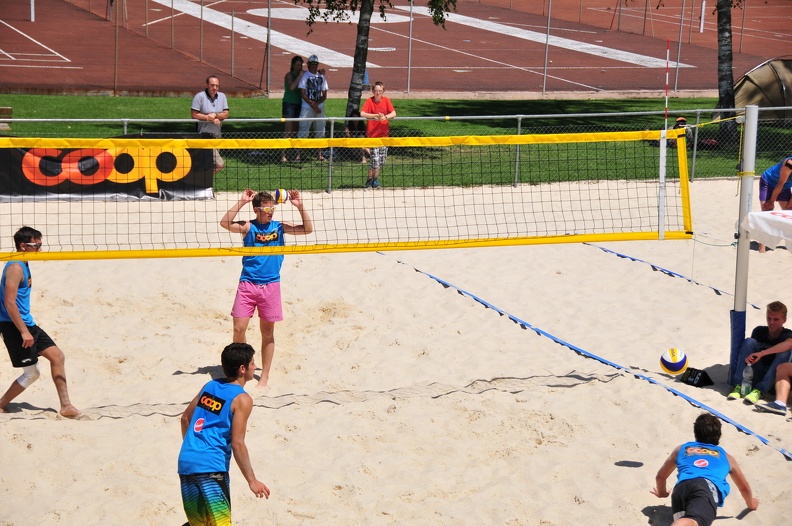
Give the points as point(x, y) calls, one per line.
point(564, 43)
point(243, 27)
point(534, 71)
point(36, 41)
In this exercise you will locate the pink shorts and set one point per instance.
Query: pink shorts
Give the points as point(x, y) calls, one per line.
point(267, 298)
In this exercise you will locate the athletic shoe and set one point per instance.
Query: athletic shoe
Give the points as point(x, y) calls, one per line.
point(753, 396)
point(736, 393)
point(375, 184)
point(369, 183)
point(773, 407)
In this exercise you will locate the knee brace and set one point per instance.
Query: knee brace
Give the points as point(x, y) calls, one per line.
point(29, 375)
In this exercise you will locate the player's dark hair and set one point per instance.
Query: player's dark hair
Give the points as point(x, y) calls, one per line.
point(25, 234)
point(262, 197)
point(778, 307)
point(234, 356)
point(296, 58)
point(707, 429)
point(212, 77)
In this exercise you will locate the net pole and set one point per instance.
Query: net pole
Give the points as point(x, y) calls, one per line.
point(746, 196)
point(679, 46)
point(661, 191)
point(737, 315)
point(547, 48)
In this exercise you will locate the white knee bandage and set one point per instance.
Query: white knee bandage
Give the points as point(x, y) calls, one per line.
point(29, 375)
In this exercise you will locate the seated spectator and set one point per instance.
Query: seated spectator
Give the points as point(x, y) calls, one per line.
point(768, 347)
point(782, 385)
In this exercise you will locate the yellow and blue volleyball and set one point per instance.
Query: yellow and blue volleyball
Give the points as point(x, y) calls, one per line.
point(281, 196)
point(674, 361)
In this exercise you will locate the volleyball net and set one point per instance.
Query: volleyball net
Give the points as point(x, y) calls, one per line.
point(139, 197)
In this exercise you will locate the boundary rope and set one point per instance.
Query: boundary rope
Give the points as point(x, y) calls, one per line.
point(525, 325)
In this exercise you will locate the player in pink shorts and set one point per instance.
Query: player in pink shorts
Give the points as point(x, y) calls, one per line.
point(259, 284)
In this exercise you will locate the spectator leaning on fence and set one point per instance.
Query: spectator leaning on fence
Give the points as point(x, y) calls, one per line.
point(210, 109)
point(379, 110)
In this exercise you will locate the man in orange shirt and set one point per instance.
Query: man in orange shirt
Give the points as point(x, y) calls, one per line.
point(379, 110)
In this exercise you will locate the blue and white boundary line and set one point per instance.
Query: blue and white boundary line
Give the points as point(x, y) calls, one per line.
point(667, 272)
point(525, 325)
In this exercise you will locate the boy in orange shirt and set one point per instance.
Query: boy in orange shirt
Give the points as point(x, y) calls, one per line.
point(379, 110)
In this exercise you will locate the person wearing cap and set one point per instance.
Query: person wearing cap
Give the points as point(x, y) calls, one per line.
point(313, 90)
point(681, 122)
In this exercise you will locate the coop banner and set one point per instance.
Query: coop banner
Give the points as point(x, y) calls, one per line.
point(117, 173)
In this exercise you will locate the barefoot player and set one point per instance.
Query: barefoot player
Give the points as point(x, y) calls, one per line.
point(25, 340)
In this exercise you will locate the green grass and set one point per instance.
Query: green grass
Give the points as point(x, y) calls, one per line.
point(416, 166)
point(92, 107)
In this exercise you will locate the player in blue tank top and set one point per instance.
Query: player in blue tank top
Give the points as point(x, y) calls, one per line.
point(775, 184)
point(25, 340)
point(701, 467)
point(259, 284)
point(213, 428)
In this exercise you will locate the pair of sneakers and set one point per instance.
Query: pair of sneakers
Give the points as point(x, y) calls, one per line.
point(372, 183)
point(750, 398)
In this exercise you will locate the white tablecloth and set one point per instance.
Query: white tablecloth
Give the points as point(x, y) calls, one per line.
point(770, 228)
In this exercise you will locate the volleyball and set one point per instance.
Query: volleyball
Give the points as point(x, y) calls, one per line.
point(674, 361)
point(281, 196)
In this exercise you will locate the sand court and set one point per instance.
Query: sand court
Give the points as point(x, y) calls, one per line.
point(398, 399)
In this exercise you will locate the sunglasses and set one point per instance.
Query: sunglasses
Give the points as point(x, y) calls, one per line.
point(266, 209)
point(33, 245)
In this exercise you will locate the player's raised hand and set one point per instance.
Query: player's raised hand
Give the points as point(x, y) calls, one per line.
point(295, 198)
point(248, 195)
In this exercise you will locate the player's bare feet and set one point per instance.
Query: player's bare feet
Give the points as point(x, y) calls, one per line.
point(69, 411)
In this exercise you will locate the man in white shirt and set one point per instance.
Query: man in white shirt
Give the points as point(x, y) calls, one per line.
point(210, 109)
point(313, 90)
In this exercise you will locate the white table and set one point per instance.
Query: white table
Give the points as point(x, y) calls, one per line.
point(770, 228)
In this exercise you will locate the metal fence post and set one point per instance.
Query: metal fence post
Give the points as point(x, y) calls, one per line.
point(173, 21)
point(517, 156)
point(695, 146)
point(330, 160)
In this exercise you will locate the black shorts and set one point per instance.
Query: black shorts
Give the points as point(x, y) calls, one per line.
point(290, 110)
point(695, 499)
point(21, 356)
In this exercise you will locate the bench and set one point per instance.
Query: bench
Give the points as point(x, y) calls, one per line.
point(5, 113)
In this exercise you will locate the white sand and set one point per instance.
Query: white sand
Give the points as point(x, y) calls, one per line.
point(396, 400)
